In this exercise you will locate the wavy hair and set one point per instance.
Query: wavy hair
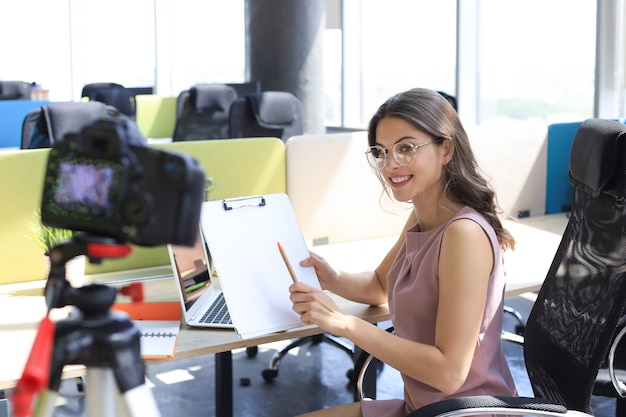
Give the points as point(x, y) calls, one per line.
point(430, 112)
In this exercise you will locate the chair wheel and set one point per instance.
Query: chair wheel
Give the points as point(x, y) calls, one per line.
point(269, 374)
point(252, 351)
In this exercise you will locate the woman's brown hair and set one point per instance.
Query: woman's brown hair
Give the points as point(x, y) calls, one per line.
point(431, 113)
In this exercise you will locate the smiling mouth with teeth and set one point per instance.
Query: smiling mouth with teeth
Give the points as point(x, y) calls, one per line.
point(397, 180)
point(400, 179)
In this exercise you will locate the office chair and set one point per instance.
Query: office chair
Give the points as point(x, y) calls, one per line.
point(44, 126)
point(113, 94)
point(202, 112)
point(266, 114)
point(90, 89)
point(573, 323)
point(15, 90)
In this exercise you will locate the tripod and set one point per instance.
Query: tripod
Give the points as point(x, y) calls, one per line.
point(106, 342)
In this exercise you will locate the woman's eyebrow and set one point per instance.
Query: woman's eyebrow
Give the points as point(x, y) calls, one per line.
point(398, 140)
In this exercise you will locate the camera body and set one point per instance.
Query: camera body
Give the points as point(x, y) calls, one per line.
point(106, 181)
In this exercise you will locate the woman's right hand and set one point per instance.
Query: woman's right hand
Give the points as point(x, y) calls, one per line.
point(325, 273)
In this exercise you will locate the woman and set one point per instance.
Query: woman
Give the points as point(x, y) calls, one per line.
point(444, 278)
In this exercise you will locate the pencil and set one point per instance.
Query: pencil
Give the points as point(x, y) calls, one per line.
point(284, 255)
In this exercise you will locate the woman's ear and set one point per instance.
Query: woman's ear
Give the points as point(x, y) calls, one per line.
point(447, 147)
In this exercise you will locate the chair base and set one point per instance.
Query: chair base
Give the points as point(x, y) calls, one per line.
point(272, 371)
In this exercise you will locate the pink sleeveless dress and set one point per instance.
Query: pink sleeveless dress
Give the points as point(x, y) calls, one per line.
point(413, 285)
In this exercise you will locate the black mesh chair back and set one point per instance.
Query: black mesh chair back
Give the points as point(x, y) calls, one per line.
point(203, 111)
point(573, 321)
point(266, 114)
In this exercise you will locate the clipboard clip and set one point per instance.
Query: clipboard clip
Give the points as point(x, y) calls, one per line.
point(228, 204)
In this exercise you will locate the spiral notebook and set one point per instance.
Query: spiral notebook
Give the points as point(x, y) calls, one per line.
point(158, 337)
point(158, 325)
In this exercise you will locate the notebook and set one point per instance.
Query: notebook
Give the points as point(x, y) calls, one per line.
point(202, 303)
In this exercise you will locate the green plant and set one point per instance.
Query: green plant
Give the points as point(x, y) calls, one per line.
point(48, 237)
point(209, 186)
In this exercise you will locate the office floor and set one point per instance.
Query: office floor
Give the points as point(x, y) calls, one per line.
point(313, 377)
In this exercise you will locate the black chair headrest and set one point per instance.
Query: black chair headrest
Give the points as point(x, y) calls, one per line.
point(274, 109)
point(118, 97)
point(14, 90)
point(212, 97)
point(595, 155)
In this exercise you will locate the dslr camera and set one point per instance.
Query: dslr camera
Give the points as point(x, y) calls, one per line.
point(106, 181)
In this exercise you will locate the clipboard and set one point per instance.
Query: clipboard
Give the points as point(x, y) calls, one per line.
point(242, 235)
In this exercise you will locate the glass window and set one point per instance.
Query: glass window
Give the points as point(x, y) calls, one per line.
point(205, 43)
point(36, 45)
point(537, 60)
point(403, 44)
point(113, 41)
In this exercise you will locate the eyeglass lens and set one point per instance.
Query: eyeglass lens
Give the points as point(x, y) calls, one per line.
point(403, 153)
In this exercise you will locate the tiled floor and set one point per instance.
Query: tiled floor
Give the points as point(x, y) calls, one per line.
point(313, 377)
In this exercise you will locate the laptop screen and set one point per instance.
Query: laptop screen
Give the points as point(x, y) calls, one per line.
point(192, 269)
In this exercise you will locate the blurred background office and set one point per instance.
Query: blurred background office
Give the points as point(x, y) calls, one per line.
point(506, 60)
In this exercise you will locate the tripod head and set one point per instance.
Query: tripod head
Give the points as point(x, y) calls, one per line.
point(92, 300)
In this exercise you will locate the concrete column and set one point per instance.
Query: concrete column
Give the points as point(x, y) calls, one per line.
point(284, 50)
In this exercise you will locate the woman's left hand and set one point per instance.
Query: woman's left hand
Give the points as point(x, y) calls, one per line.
point(317, 307)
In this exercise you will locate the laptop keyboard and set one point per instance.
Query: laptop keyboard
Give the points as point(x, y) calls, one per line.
point(217, 313)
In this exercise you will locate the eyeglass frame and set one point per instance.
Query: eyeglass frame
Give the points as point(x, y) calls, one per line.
point(369, 155)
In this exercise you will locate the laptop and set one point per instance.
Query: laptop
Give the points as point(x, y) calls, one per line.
point(203, 304)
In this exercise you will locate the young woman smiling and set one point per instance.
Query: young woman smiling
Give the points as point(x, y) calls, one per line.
point(443, 279)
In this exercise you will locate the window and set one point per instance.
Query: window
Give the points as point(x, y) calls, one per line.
point(537, 60)
point(113, 41)
point(395, 45)
point(200, 41)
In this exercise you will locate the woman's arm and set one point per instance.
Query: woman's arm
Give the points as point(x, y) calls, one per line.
point(368, 287)
point(466, 262)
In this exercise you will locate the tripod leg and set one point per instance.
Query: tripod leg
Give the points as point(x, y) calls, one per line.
point(103, 399)
point(100, 393)
point(140, 402)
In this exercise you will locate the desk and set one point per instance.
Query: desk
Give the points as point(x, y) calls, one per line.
point(17, 334)
point(22, 305)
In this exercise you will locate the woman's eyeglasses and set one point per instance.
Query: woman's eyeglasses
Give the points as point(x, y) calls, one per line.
point(403, 153)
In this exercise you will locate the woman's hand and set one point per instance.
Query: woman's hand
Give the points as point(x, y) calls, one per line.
point(316, 307)
point(325, 273)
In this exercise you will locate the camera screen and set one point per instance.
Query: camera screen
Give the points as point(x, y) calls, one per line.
point(86, 187)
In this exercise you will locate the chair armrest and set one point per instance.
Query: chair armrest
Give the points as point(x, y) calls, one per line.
point(620, 387)
point(361, 364)
point(512, 338)
point(487, 404)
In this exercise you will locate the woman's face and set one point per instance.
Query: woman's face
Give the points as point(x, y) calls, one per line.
point(422, 177)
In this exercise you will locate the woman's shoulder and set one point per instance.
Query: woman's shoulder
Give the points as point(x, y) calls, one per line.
point(471, 215)
point(468, 223)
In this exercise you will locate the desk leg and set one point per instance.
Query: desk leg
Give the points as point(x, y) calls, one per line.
point(223, 384)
